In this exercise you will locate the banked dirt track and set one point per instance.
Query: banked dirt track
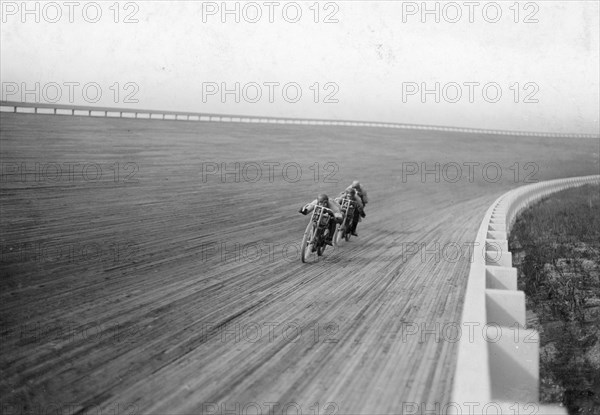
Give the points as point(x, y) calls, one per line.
point(143, 291)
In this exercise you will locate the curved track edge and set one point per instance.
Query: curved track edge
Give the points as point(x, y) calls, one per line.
point(498, 358)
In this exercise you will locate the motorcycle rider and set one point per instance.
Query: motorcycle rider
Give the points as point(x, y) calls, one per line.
point(323, 200)
point(362, 193)
point(351, 194)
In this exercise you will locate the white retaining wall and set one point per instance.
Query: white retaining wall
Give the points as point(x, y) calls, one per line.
point(78, 110)
point(498, 357)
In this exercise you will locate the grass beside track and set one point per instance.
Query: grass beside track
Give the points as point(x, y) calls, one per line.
point(557, 247)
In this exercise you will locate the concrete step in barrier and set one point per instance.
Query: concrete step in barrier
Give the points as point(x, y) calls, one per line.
point(501, 278)
point(498, 227)
point(514, 365)
point(496, 245)
point(498, 258)
point(499, 235)
point(505, 307)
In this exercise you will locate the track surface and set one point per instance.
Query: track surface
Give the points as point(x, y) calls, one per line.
point(175, 324)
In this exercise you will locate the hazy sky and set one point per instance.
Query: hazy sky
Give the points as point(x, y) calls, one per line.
point(371, 60)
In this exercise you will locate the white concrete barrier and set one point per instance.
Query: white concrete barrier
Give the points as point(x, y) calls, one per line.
point(80, 110)
point(498, 361)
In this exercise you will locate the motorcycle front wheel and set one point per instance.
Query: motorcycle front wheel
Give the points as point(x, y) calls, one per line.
point(339, 235)
point(307, 242)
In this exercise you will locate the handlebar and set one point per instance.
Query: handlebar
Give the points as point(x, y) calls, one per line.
point(324, 208)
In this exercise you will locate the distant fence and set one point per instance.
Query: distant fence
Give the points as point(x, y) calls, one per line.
point(60, 109)
point(498, 363)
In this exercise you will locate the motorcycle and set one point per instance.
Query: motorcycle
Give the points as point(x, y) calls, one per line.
point(314, 235)
point(343, 230)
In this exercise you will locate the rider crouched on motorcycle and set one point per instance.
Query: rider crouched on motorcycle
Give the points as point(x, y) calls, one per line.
point(362, 193)
point(323, 200)
point(351, 194)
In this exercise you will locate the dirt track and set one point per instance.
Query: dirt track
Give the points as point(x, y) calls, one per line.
point(176, 324)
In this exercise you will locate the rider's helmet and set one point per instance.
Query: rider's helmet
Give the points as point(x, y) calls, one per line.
point(356, 184)
point(322, 199)
point(350, 191)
